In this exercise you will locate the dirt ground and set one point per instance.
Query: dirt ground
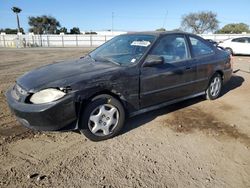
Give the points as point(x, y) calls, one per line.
point(195, 143)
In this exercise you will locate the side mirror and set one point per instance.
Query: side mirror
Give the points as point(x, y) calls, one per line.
point(153, 60)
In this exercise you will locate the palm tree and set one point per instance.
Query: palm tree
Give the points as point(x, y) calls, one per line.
point(17, 10)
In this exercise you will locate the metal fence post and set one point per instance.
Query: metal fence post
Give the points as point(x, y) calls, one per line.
point(62, 41)
point(76, 40)
point(48, 40)
point(41, 39)
point(105, 38)
point(33, 41)
point(90, 40)
point(4, 44)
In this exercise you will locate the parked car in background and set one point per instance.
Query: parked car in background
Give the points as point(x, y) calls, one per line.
point(128, 75)
point(235, 46)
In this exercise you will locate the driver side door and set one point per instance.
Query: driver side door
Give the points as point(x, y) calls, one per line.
point(171, 80)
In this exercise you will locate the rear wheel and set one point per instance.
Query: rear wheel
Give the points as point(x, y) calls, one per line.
point(214, 89)
point(102, 118)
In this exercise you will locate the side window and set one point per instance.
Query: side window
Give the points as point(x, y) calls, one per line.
point(199, 47)
point(172, 48)
point(241, 40)
point(248, 40)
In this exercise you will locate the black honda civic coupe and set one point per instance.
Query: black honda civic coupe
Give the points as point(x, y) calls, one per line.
point(128, 75)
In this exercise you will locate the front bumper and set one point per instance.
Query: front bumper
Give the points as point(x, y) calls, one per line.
point(45, 117)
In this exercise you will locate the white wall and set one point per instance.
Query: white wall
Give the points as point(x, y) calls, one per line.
point(62, 40)
point(67, 40)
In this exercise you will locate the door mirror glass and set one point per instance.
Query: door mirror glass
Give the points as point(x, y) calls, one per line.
point(153, 60)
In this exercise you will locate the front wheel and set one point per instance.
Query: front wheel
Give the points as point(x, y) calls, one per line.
point(102, 118)
point(214, 89)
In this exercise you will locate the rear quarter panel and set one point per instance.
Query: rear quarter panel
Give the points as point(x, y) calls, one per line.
point(208, 65)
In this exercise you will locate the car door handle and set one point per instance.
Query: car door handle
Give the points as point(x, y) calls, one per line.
point(188, 68)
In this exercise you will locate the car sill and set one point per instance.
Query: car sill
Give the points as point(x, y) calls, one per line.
point(144, 110)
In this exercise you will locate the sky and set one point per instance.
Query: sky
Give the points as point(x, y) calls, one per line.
point(128, 15)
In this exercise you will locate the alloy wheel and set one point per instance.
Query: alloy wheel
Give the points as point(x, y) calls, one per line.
point(215, 87)
point(103, 120)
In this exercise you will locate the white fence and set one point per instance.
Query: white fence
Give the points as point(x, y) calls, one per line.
point(30, 40)
point(63, 40)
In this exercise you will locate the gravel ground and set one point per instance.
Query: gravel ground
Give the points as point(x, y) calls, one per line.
point(195, 143)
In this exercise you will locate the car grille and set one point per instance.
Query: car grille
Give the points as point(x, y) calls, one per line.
point(18, 92)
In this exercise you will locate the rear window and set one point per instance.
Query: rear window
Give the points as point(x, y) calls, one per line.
point(199, 47)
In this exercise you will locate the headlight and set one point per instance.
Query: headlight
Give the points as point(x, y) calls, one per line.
point(46, 95)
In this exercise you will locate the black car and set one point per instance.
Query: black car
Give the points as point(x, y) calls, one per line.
point(128, 75)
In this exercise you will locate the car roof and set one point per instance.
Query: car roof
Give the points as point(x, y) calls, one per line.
point(157, 33)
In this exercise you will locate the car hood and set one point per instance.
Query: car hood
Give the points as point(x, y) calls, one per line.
point(60, 73)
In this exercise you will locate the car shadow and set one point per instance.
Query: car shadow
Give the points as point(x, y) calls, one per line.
point(235, 82)
point(137, 121)
point(241, 55)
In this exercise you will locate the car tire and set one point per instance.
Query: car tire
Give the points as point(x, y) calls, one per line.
point(214, 88)
point(229, 50)
point(103, 118)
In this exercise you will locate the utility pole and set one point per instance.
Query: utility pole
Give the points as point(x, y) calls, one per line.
point(112, 22)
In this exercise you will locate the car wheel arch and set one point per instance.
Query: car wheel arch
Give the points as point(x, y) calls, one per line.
point(112, 93)
point(220, 72)
point(230, 49)
point(85, 100)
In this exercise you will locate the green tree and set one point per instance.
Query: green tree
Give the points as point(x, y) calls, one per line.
point(11, 31)
point(75, 30)
point(63, 30)
point(234, 28)
point(177, 30)
point(161, 29)
point(17, 10)
point(200, 22)
point(43, 24)
point(90, 33)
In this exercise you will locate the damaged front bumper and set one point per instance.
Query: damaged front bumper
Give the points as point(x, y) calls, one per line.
point(51, 116)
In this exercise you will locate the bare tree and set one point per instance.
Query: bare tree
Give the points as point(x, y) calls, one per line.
point(17, 10)
point(200, 22)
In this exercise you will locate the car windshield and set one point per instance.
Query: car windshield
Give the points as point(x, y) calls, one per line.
point(123, 49)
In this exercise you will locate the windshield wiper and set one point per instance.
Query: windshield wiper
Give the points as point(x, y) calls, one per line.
point(91, 57)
